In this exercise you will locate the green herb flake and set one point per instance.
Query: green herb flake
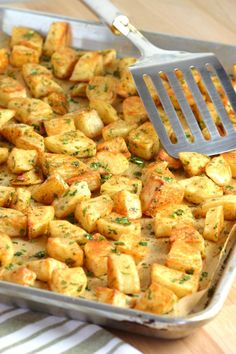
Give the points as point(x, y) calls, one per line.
point(143, 243)
point(137, 160)
point(18, 254)
point(122, 220)
point(40, 254)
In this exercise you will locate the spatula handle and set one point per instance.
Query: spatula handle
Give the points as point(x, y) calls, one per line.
point(103, 9)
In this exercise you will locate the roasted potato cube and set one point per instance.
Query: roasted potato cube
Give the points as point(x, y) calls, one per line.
point(126, 86)
point(113, 297)
point(184, 257)
point(219, 171)
point(157, 193)
point(189, 234)
point(144, 141)
point(230, 157)
point(3, 155)
point(21, 55)
point(127, 204)
point(122, 274)
point(58, 101)
point(180, 283)
point(21, 200)
point(119, 183)
point(91, 177)
point(29, 178)
point(106, 162)
point(132, 244)
point(9, 89)
point(169, 216)
point(42, 86)
point(71, 143)
point(31, 111)
point(114, 145)
point(64, 165)
point(4, 59)
point(6, 195)
point(157, 299)
point(21, 275)
point(78, 90)
point(43, 268)
point(30, 141)
point(89, 211)
point(30, 70)
point(5, 115)
point(22, 160)
point(52, 188)
point(13, 222)
point(200, 188)
point(88, 65)
point(102, 88)
point(89, 123)
point(193, 163)
point(58, 126)
point(38, 220)
point(118, 128)
point(96, 255)
point(71, 281)
point(172, 163)
point(64, 229)
point(66, 203)
point(65, 250)
point(58, 37)
point(134, 111)
point(214, 223)
point(26, 37)
point(159, 169)
point(13, 131)
point(115, 225)
point(106, 111)
point(230, 188)
point(6, 250)
point(63, 62)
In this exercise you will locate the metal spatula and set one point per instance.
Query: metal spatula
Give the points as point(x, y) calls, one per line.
point(154, 63)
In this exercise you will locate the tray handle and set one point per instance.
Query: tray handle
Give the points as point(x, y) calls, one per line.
point(103, 9)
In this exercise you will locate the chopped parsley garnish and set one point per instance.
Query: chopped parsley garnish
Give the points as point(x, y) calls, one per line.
point(40, 254)
point(18, 254)
point(143, 243)
point(137, 160)
point(122, 220)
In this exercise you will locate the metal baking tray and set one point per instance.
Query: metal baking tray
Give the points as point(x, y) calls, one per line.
point(91, 35)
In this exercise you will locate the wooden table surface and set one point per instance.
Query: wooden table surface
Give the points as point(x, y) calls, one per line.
point(204, 19)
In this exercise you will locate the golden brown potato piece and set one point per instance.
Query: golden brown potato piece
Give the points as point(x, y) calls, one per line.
point(127, 204)
point(230, 157)
point(13, 131)
point(126, 86)
point(118, 128)
point(113, 297)
point(4, 59)
point(89, 123)
point(26, 37)
point(89, 211)
point(30, 70)
point(43, 268)
point(3, 155)
point(21, 55)
point(184, 257)
point(6, 250)
point(13, 222)
point(218, 169)
point(102, 88)
point(38, 220)
point(42, 86)
point(193, 163)
point(52, 188)
point(21, 275)
point(214, 223)
point(89, 65)
point(9, 89)
point(172, 163)
point(106, 162)
point(71, 143)
point(58, 126)
point(29, 178)
point(144, 141)
point(180, 283)
point(31, 140)
point(63, 62)
point(157, 299)
point(96, 255)
point(5, 116)
point(158, 169)
point(58, 102)
point(67, 202)
point(65, 250)
point(119, 183)
point(117, 144)
point(71, 281)
point(64, 229)
point(58, 37)
point(134, 111)
point(6, 195)
point(21, 200)
point(21, 160)
point(92, 178)
point(122, 274)
point(105, 110)
point(78, 90)
point(157, 193)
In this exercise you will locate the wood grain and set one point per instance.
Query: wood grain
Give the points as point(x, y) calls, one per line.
point(213, 20)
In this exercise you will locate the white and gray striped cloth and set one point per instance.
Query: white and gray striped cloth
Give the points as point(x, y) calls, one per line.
point(26, 332)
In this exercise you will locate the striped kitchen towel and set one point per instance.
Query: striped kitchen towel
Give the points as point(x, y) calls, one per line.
point(26, 332)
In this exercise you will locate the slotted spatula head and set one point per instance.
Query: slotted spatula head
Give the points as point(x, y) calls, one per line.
point(177, 69)
point(206, 65)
